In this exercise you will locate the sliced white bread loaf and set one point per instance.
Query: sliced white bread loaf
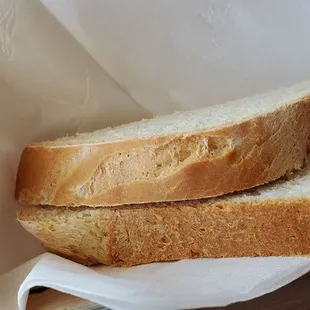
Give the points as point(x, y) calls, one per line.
point(189, 155)
point(272, 220)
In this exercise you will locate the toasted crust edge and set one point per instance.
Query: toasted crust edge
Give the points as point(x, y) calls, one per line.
point(137, 235)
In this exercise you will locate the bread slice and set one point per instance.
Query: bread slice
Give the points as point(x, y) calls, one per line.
point(190, 155)
point(272, 220)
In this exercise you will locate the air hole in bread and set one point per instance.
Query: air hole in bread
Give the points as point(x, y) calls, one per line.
point(165, 239)
point(194, 254)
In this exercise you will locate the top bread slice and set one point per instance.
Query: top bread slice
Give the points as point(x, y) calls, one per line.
point(190, 155)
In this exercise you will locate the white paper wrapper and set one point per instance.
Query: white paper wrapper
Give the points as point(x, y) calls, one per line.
point(72, 66)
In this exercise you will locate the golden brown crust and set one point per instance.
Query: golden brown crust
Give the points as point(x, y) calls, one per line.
point(140, 235)
point(174, 167)
point(73, 225)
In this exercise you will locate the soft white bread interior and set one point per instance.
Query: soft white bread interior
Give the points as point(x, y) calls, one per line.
point(209, 118)
point(189, 155)
point(272, 220)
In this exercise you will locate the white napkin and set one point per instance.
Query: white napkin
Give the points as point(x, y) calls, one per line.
point(185, 284)
point(74, 65)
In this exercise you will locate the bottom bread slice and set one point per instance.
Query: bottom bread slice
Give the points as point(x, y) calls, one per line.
point(273, 220)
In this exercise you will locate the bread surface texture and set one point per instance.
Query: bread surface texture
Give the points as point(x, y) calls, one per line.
point(271, 220)
point(190, 155)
